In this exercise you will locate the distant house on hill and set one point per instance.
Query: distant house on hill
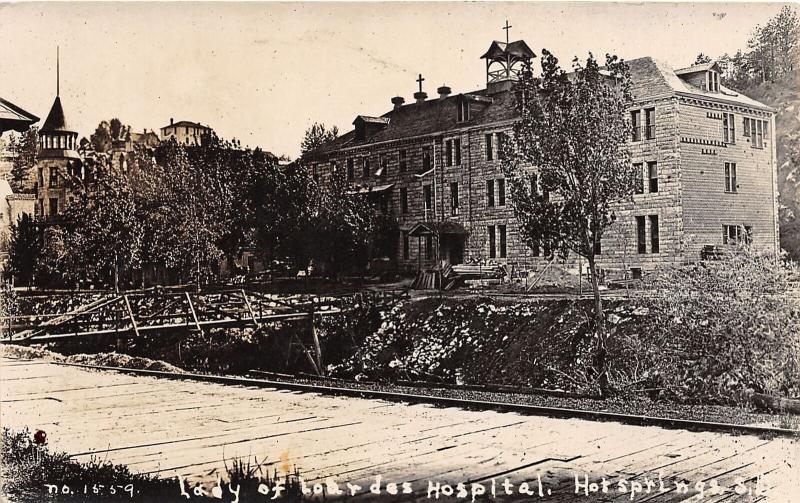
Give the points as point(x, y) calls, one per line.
point(185, 132)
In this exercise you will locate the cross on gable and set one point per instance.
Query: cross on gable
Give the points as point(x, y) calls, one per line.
point(507, 27)
point(420, 80)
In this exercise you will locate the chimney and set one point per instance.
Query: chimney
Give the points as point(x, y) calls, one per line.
point(398, 101)
point(171, 121)
point(420, 96)
point(444, 92)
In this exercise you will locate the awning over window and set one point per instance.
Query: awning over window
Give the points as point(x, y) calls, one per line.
point(372, 190)
point(437, 228)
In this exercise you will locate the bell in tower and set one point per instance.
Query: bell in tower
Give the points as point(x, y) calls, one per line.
point(504, 62)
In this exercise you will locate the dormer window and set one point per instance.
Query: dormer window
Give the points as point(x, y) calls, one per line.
point(463, 111)
point(712, 81)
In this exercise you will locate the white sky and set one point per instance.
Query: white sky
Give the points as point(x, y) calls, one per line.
point(263, 72)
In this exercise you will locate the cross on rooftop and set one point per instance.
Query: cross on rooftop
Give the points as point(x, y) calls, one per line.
point(419, 81)
point(507, 27)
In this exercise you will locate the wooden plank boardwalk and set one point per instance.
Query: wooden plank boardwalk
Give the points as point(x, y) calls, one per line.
point(192, 429)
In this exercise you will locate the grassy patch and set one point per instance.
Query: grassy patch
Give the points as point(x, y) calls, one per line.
point(31, 473)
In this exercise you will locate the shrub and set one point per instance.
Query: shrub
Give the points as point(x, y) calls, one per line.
point(721, 330)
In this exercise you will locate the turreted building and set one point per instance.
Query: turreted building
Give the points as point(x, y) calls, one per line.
point(706, 155)
point(58, 165)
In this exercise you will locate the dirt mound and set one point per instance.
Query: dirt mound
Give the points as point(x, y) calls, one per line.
point(106, 359)
point(124, 361)
point(24, 352)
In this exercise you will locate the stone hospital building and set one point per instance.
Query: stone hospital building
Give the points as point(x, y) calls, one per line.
point(706, 155)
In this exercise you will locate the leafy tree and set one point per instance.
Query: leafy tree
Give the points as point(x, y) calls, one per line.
point(182, 224)
point(24, 249)
point(24, 147)
point(57, 264)
point(316, 136)
point(101, 138)
point(573, 129)
point(106, 132)
point(106, 231)
point(702, 58)
point(338, 226)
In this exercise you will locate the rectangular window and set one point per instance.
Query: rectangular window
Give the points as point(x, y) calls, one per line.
point(652, 175)
point(636, 124)
point(489, 151)
point(736, 234)
point(730, 177)
point(638, 167)
point(501, 192)
point(448, 152)
point(746, 127)
point(457, 151)
point(427, 192)
point(406, 247)
point(641, 235)
point(490, 193)
point(426, 159)
point(502, 231)
point(401, 160)
point(728, 128)
point(766, 129)
point(365, 173)
point(636, 273)
point(351, 170)
point(404, 200)
point(463, 111)
point(654, 242)
point(598, 249)
point(649, 123)
point(428, 247)
point(536, 249)
point(492, 242)
point(384, 168)
point(501, 141)
point(534, 184)
point(759, 134)
point(53, 206)
point(454, 198)
point(53, 177)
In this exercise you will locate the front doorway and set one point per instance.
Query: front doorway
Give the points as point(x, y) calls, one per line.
point(452, 248)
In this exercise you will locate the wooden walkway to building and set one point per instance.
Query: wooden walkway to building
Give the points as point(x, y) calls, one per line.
point(172, 427)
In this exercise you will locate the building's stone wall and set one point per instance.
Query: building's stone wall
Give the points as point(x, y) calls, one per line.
point(619, 250)
point(707, 205)
point(45, 192)
point(690, 203)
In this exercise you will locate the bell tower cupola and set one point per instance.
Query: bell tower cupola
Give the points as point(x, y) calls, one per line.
point(504, 62)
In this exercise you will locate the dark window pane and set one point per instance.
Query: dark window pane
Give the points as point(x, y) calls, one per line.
point(641, 236)
point(654, 241)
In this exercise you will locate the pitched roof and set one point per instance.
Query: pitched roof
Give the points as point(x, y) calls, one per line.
point(517, 49)
point(146, 138)
point(702, 67)
point(650, 79)
point(186, 124)
point(372, 120)
point(13, 117)
point(56, 120)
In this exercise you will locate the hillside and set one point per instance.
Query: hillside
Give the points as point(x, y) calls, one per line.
point(785, 98)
